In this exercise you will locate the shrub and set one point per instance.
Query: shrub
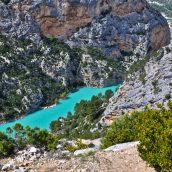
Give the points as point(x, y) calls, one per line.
point(36, 137)
point(41, 138)
point(79, 145)
point(122, 130)
point(6, 145)
point(70, 148)
point(156, 138)
point(153, 128)
point(168, 96)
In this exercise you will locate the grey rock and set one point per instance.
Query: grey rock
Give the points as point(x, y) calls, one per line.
point(117, 27)
point(20, 169)
point(122, 146)
point(8, 166)
point(136, 94)
point(84, 151)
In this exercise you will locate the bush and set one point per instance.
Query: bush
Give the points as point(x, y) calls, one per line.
point(70, 148)
point(79, 145)
point(36, 137)
point(168, 96)
point(122, 130)
point(156, 138)
point(6, 145)
point(153, 128)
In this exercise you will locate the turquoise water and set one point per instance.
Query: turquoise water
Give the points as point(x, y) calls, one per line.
point(43, 118)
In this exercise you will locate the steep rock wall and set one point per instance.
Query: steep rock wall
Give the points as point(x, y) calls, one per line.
point(118, 27)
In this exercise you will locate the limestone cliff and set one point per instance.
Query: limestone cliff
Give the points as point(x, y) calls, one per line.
point(119, 27)
point(148, 85)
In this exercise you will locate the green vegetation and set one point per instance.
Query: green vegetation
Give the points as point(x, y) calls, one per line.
point(79, 145)
point(21, 137)
point(26, 83)
point(116, 64)
point(168, 96)
point(142, 77)
point(5, 1)
point(63, 95)
point(6, 145)
point(153, 128)
point(164, 6)
point(156, 89)
point(138, 67)
point(124, 129)
point(80, 125)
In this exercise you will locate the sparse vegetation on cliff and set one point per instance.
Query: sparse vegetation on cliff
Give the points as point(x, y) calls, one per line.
point(5, 1)
point(164, 6)
point(33, 76)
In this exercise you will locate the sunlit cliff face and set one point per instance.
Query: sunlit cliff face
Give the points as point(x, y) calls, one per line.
point(118, 27)
point(62, 18)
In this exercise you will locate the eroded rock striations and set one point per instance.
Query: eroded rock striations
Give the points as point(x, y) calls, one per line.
point(119, 27)
point(147, 86)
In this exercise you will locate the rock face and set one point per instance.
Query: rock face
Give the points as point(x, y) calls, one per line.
point(119, 27)
point(146, 87)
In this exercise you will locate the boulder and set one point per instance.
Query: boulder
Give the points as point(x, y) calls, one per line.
point(33, 150)
point(122, 146)
point(7, 167)
point(84, 151)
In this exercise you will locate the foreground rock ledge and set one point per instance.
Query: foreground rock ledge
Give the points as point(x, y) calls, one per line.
point(119, 158)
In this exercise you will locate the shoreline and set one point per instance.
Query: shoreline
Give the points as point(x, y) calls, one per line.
point(53, 105)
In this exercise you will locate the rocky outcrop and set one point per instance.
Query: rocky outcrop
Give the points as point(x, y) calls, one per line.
point(122, 146)
point(121, 157)
point(146, 87)
point(118, 27)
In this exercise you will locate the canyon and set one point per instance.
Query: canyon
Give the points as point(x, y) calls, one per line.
point(124, 32)
point(48, 48)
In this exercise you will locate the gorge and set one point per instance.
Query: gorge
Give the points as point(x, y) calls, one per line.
point(56, 56)
point(44, 117)
point(35, 70)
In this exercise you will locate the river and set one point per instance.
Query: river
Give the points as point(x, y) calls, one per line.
point(44, 117)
